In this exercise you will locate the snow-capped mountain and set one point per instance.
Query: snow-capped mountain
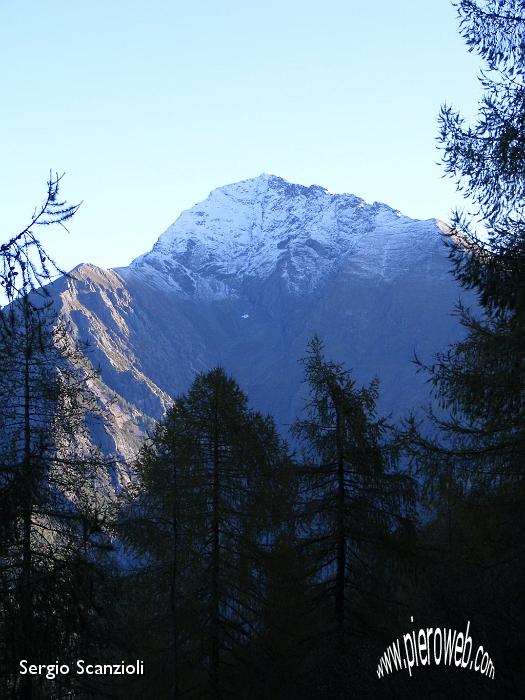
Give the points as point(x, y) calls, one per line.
point(265, 226)
point(244, 279)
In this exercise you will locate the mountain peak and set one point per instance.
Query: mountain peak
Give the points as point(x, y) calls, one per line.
point(266, 226)
point(265, 184)
point(243, 280)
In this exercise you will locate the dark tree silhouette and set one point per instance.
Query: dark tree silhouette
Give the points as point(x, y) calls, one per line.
point(25, 264)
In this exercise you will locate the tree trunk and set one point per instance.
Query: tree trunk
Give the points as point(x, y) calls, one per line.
point(26, 575)
point(341, 542)
point(173, 592)
point(215, 619)
point(340, 679)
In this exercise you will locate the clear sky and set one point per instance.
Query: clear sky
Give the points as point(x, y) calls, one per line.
point(147, 105)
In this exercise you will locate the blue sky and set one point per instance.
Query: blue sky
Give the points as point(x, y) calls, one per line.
point(148, 105)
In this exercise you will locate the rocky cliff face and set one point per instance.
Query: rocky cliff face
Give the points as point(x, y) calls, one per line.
point(243, 280)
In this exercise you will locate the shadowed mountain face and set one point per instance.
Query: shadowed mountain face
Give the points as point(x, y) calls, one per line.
point(243, 280)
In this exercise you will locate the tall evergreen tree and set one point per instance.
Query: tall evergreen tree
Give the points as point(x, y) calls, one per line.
point(49, 477)
point(51, 512)
point(200, 516)
point(481, 379)
point(473, 464)
point(354, 496)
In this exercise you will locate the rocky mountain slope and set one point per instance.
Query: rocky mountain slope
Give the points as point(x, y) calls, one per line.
point(244, 279)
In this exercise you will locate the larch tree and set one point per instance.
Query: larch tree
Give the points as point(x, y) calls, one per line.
point(479, 381)
point(25, 264)
point(50, 474)
point(201, 515)
point(354, 496)
point(473, 463)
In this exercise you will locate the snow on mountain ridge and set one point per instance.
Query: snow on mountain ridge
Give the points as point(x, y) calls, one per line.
point(280, 262)
point(266, 225)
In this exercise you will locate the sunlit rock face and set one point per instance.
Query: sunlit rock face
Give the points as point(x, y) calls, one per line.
point(243, 280)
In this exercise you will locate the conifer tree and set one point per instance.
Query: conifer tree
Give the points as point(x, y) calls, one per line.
point(25, 264)
point(353, 495)
point(51, 514)
point(200, 516)
point(472, 464)
point(481, 379)
point(49, 477)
